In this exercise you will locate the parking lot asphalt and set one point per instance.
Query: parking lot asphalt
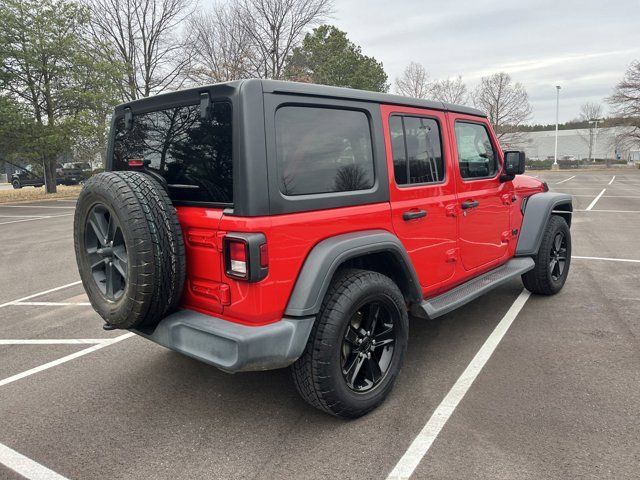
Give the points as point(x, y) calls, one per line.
point(558, 398)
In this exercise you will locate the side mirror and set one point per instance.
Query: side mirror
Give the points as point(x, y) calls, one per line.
point(514, 162)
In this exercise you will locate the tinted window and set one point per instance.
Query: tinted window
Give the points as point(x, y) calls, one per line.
point(476, 156)
point(417, 152)
point(193, 155)
point(321, 150)
point(400, 166)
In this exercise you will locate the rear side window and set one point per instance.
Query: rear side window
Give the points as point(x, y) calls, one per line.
point(476, 156)
point(417, 150)
point(322, 150)
point(192, 154)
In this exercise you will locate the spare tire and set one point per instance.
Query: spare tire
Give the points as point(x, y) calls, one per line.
point(129, 248)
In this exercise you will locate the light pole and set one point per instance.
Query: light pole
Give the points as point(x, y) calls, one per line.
point(555, 155)
point(595, 136)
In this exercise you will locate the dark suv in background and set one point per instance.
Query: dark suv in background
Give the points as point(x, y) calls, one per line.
point(66, 174)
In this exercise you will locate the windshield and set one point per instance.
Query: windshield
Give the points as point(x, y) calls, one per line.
point(192, 154)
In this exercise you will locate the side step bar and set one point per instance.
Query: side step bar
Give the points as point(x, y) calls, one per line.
point(449, 301)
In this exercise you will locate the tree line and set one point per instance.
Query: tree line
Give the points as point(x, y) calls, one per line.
point(64, 64)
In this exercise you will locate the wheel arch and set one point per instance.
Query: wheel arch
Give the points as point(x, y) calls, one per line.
point(537, 211)
point(376, 250)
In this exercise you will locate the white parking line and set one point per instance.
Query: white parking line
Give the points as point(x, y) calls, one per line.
point(612, 179)
point(66, 359)
point(630, 260)
point(52, 304)
point(55, 341)
point(33, 206)
point(29, 297)
point(26, 467)
point(422, 443)
point(565, 180)
point(39, 218)
point(609, 211)
point(610, 196)
point(569, 187)
point(595, 200)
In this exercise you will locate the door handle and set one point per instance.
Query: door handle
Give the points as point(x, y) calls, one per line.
point(413, 214)
point(469, 204)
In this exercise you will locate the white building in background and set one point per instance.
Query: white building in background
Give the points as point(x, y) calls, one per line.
point(574, 144)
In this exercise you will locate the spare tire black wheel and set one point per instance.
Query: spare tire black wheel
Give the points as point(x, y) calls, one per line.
point(129, 248)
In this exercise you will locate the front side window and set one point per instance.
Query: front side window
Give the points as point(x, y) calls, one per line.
point(476, 156)
point(193, 154)
point(322, 150)
point(417, 151)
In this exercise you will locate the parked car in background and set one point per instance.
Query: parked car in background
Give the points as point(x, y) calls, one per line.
point(25, 178)
point(28, 177)
point(73, 173)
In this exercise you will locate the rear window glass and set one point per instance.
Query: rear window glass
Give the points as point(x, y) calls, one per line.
point(322, 150)
point(193, 155)
point(417, 152)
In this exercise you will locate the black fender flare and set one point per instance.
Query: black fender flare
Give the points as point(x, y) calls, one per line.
point(537, 211)
point(325, 258)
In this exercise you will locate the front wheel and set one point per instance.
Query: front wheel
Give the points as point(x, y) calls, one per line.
point(356, 347)
point(552, 261)
point(16, 184)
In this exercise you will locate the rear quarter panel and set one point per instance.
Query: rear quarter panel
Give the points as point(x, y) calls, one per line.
point(290, 238)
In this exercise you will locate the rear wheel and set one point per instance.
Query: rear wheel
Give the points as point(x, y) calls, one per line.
point(552, 261)
point(356, 347)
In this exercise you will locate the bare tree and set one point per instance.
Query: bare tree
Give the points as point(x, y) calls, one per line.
point(276, 27)
point(450, 91)
point(506, 103)
point(221, 46)
point(625, 101)
point(591, 113)
point(414, 82)
point(143, 36)
point(350, 178)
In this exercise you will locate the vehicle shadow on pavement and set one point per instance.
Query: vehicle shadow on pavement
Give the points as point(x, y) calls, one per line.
point(438, 349)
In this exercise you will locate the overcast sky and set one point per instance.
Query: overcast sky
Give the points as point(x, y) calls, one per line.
point(584, 46)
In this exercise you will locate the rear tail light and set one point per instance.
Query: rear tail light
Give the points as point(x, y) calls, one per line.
point(246, 256)
point(238, 258)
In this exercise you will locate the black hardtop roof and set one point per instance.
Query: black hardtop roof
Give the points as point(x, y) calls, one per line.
point(311, 89)
point(303, 89)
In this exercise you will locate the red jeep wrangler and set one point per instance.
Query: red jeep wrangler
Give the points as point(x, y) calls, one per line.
point(258, 224)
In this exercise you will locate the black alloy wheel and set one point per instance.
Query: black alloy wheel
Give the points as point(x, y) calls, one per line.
point(558, 256)
point(368, 345)
point(357, 345)
point(107, 252)
point(553, 260)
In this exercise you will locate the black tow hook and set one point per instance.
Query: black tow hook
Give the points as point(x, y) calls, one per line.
point(108, 327)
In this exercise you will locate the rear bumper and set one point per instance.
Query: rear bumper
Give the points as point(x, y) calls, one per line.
point(230, 346)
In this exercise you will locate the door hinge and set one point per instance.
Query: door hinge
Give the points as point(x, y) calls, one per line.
point(506, 236)
point(452, 210)
point(506, 199)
